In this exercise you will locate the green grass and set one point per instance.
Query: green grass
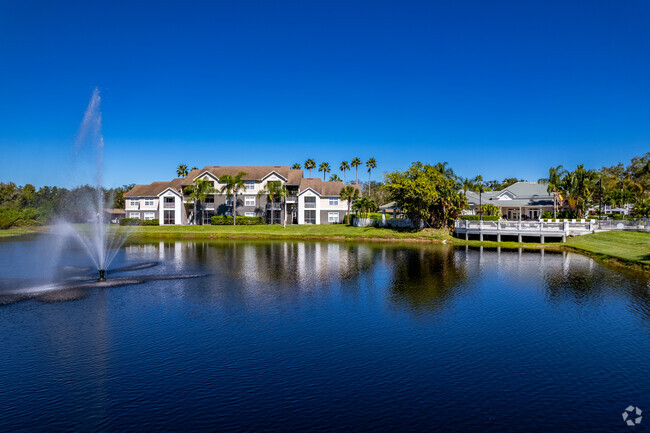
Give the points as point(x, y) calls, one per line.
point(627, 247)
point(15, 232)
point(326, 231)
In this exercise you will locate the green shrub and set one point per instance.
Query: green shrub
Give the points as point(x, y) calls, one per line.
point(130, 222)
point(12, 217)
point(477, 217)
point(222, 220)
point(153, 222)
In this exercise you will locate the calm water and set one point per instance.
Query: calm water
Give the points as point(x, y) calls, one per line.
point(293, 336)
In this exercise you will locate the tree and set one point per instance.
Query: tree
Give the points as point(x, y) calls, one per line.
point(446, 171)
point(370, 164)
point(200, 191)
point(335, 178)
point(480, 188)
point(467, 185)
point(231, 185)
point(194, 168)
point(577, 186)
point(325, 168)
point(364, 205)
point(181, 170)
point(296, 166)
point(356, 162)
point(642, 208)
point(344, 167)
point(273, 190)
point(554, 182)
point(309, 165)
point(490, 210)
point(350, 194)
point(425, 194)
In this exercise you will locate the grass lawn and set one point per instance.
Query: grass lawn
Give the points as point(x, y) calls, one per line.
point(15, 232)
point(326, 231)
point(629, 247)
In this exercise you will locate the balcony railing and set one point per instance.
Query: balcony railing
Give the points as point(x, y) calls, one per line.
point(291, 198)
point(310, 205)
point(169, 205)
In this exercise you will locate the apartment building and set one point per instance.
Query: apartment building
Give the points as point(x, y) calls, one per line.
point(308, 200)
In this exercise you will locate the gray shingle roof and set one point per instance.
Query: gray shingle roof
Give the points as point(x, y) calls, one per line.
point(523, 194)
point(326, 189)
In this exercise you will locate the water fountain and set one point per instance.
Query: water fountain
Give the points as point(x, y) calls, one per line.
point(99, 242)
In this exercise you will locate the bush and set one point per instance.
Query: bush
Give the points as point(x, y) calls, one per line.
point(477, 217)
point(153, 222)
point(222, 220)
point(130, 222)
point(547, 215)
point(12, 217)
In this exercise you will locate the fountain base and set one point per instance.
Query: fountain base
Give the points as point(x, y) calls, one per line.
point(101, 275)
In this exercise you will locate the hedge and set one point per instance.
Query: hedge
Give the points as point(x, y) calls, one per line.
point(241, 220)
point(139, 222)
point(478, 217)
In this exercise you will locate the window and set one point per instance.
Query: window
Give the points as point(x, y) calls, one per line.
point(148, 201)
point(249, 200)
point(209, 202)
point(334, 201)
point(134, 202)
point(169, 202)
point(229, 201)
point(310, 202)
point(134, 214)
point(250, 185)
point(310, 217)
point(170, 217)
point(149, 216)
point(249, 214)
point(332, 217)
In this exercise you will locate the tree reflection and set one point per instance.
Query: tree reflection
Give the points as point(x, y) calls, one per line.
point(426, 279)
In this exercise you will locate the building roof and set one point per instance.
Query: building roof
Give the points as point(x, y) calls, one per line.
point(327, 189)
point(154, 188)
point(517, 194)
point(252, 172)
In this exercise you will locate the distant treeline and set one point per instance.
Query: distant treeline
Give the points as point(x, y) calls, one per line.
point(27, 206)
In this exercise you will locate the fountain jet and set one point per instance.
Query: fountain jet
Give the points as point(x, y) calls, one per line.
point(102, 273)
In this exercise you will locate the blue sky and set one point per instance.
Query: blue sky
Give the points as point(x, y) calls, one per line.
point(497, 88)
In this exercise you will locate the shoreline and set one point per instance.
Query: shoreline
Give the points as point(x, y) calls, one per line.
point(336, 233)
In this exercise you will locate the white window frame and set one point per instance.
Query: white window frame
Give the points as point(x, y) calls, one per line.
point(249, 214)
point(331, 215)
point(309, 219)
point(148, 201)
point(149, 216)
point(249, 185)
point(249, 198)
point(134, 202)
point(334, 201)
point(134, 215)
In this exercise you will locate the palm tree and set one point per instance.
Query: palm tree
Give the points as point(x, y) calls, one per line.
point(325, 168)
point(578, 187)
point(296, 166)
point(309, 165)
point(350, 194)
point(479, 187)
point(335, 178)
point(364, 205)
point(554, 181)
point(194, 168)
point(344, 167)
point(371, 163)
point(442, 168)
point(467, 185)
point(231, 185)
point(273, 190)
point(356, 162)
point(181, 170)
point(200, 191)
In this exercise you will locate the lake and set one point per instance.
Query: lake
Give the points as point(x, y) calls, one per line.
point(309, 336)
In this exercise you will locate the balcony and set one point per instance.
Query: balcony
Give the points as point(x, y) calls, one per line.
point(167, 205)
point(292, 198)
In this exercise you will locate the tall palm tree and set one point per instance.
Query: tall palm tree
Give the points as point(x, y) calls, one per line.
point(200, 191)
point(273, 190)
point(181, 170)
point(309, 165)
point(442, 168)
point(296, 166)
point(335, 178)
point(356, 162)
point(232, 184)
point(479, 187)
point(344, 167)
point(325, 168)
point(554, 182)
point(370, 164)
point(350, 194)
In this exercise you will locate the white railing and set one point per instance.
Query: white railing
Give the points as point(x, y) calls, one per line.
point(553, 226)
